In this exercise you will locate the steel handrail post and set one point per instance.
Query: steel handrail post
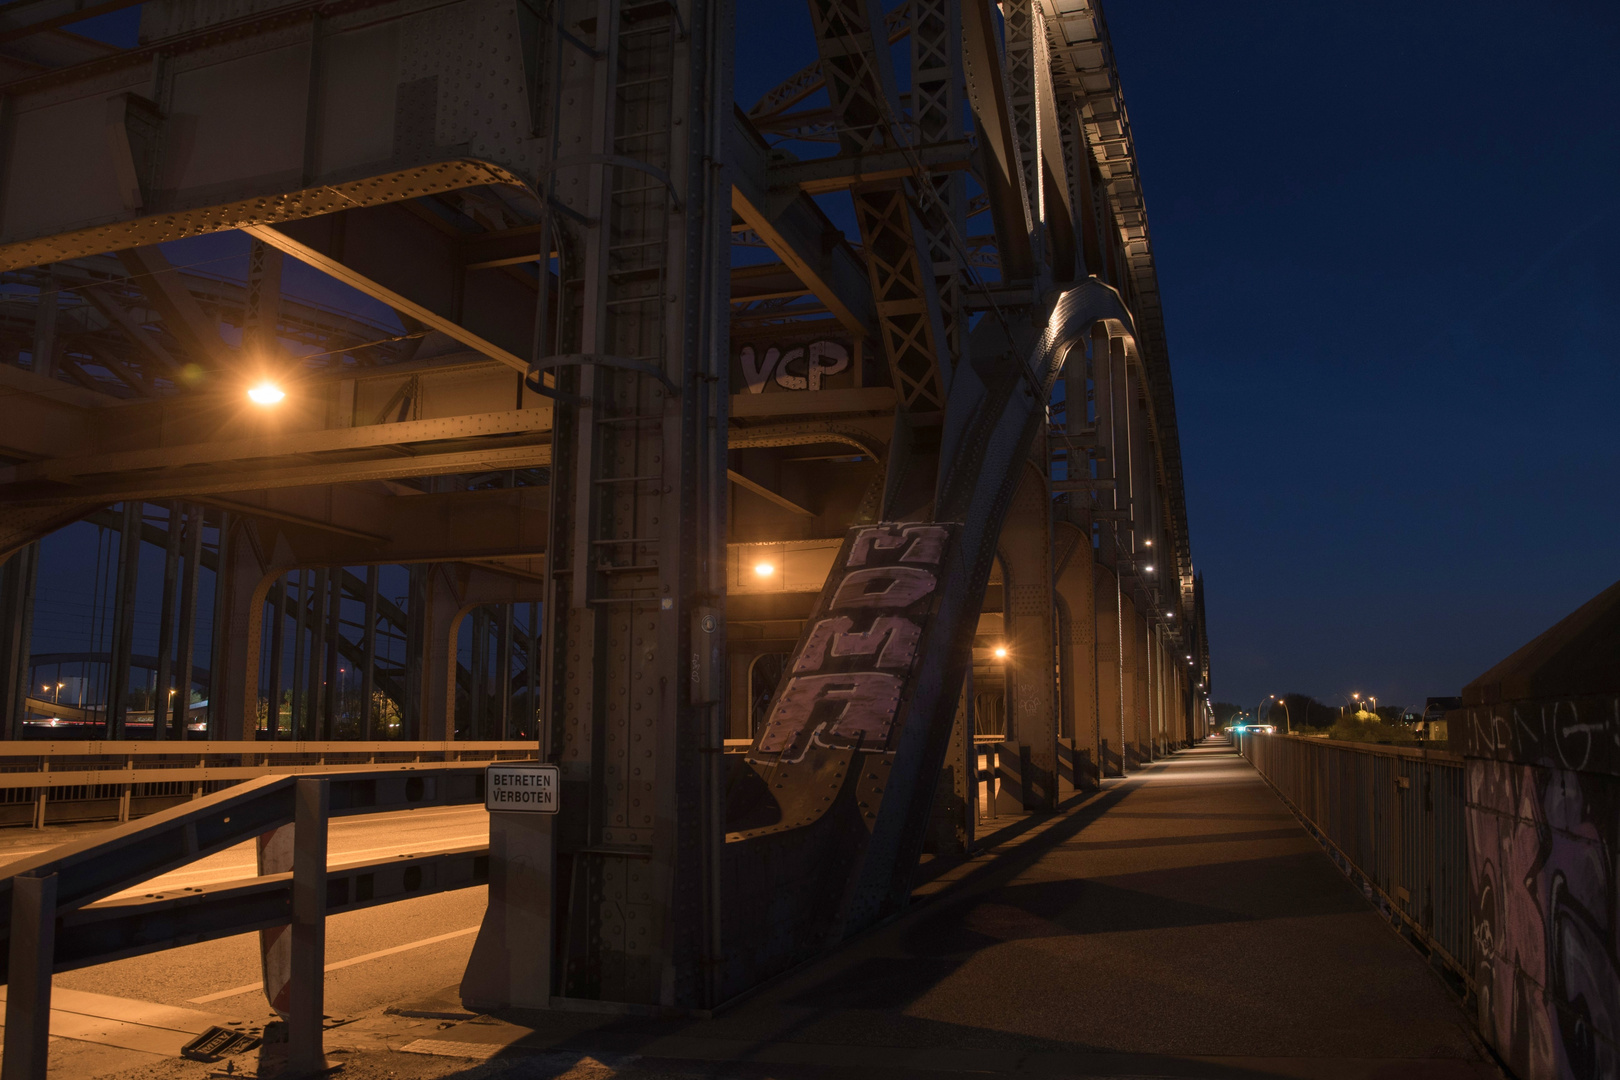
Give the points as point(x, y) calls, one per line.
point(312, 808)
point(28, 989)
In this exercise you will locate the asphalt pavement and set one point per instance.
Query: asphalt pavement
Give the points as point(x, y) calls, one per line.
point(1179, 923)
point(375, 956)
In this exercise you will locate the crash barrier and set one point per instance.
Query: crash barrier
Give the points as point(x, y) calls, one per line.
point(55, 914)
point(56, 783)
point(1393, 818)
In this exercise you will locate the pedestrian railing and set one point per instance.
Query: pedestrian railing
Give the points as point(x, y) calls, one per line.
point(50, 783)
point(1392, 817)
point(55, 914)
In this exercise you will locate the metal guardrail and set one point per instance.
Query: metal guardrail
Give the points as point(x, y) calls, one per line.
point(1393, 818)
point(45, 783)
point(55, 915)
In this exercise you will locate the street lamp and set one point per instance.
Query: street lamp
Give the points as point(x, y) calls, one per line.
point(1288, 721)
point(266, 393)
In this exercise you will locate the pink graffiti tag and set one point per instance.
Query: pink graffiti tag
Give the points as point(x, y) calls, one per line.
point(893, 640)
point(870, 699)
point(883, 587)
point(926, 543)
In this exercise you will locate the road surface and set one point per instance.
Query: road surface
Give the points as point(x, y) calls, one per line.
point(393, 952)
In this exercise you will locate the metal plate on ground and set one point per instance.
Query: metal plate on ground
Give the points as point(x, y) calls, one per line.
point(526, 788)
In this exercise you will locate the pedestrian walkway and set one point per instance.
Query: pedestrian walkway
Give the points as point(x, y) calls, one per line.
point(1179, 923)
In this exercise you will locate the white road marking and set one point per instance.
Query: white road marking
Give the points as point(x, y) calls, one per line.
point(353, 960)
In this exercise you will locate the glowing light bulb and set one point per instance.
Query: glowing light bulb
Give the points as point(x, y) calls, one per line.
point(764, 569)
point(1000, 652)
point(266, 393)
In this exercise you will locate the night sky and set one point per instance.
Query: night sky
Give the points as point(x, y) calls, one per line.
point(1386, 238)
point(1384, 235)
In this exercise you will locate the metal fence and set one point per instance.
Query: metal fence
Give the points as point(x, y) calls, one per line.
point(44, 783)
point(56, 915)
point(1393, 818)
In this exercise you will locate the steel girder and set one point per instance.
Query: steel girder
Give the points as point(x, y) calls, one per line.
point(860, 82)
point(401, 422)
point(825, 823)
point(1000, 170)
point(624, 187)
point(794, 227)
point(638, 100)
point(1041, 151)
point(422, 269)
point(296, 113)
point(1086, 81)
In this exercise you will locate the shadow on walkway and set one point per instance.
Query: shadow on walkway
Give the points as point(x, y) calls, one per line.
point(1178, 923)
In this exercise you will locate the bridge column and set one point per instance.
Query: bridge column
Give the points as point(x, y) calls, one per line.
point(1031, 619)
point(243, 582)
point(1110, 677)
point(956, 807)
point(1162, 692)
point(17, 580)
point(448, 593)
point(1131, 670)
point(1076, 589)
point(440, 620)
point(635, 615)
point(1144, 685)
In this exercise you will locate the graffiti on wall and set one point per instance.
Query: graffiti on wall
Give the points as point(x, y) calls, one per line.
point(1546, 915)
point(1579, 733)
point(813, 366)
point(844, 684)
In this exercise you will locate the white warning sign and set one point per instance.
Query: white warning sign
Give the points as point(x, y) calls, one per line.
point(526, 788)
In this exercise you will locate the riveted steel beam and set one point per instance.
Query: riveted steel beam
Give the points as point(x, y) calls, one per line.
point(285, 115)
point(860, 84)
point(1001, 170)
point(796, 229)
point(417, 267)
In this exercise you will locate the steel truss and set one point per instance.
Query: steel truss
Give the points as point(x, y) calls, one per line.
point(848, 471)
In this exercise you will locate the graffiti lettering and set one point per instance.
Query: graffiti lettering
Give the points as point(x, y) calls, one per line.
point(847, 680)
point(755, 375)
point(926, 543)
point(883, 587)
point(896, 637)
point(826, 358)
point(822, 360)
point(869, 700)
point(786, 379)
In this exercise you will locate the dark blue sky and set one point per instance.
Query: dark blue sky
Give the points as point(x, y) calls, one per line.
point(1385, 235)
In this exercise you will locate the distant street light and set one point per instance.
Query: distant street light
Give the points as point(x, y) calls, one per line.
point(1288, 721)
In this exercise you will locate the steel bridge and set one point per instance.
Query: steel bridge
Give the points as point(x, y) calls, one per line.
point(800, 475)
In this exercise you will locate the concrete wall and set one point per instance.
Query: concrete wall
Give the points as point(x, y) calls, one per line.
point(1543, 791)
